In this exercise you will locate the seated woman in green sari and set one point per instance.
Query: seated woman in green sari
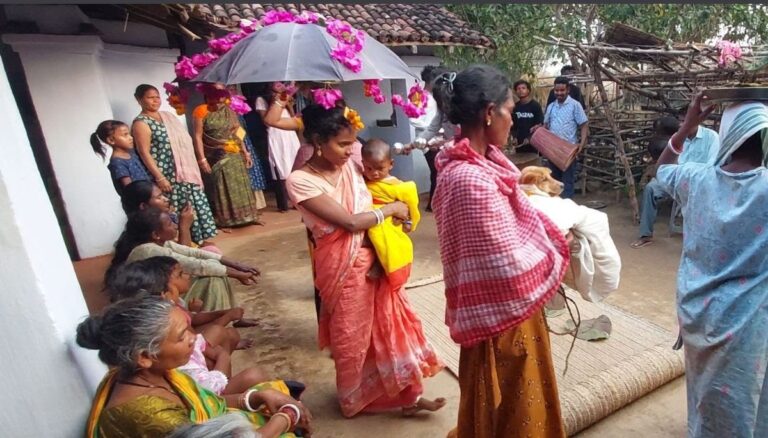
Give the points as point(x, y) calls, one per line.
point(151, 232)
point(219, 136)
point(143, 340)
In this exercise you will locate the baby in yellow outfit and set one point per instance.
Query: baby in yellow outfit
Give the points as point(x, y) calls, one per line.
point(393, 246)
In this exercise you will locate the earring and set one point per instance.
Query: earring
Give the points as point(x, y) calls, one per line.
point(319, 152)
point(488, 121)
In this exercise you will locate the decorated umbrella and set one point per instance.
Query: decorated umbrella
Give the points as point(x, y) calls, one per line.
point(302, 52)
point(302, 47)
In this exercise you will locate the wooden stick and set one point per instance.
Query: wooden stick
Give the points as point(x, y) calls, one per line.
point(630, 179)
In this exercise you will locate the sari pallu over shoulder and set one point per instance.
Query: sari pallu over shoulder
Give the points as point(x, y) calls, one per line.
point(335, 250)
point(202, 404)
point(502, 258)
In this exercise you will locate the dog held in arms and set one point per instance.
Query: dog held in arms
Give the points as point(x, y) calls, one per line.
point(595, 263)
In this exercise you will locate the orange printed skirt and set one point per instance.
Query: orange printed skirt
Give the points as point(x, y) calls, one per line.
point(508, 386)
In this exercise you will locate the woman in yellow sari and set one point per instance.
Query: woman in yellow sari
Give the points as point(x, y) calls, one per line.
point(144, 340)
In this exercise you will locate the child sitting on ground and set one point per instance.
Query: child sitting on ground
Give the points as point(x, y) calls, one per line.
point(394, 248)
point(151, 275)
point(124, 164)
point(210, 363)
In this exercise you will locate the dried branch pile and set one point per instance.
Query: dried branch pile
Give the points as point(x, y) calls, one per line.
point(632, 79)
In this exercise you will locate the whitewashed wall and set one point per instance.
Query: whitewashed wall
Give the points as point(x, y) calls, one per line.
point(42, 302)
point(76, 82)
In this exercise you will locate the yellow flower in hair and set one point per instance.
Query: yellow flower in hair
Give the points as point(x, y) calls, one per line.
point(353, 118)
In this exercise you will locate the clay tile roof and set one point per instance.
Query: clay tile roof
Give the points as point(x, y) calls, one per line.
point(391, 24)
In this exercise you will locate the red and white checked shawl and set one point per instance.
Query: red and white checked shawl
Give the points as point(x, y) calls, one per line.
point(502, 258)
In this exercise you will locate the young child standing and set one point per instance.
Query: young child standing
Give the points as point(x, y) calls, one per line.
point(394, 248)
point(124, 164)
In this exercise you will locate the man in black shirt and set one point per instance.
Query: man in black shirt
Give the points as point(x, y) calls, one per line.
point(573, 90)
point(527, 113)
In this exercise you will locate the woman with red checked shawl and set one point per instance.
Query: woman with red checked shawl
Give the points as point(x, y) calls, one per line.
point(502, 260)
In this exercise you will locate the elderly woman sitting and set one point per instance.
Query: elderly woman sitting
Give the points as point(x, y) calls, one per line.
point(144, 340)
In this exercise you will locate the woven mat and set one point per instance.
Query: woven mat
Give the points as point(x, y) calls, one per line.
point(602, 376)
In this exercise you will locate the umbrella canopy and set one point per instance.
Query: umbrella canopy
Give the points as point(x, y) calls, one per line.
point(299, 52)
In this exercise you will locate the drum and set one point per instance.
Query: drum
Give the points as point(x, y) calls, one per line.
point(558, 151)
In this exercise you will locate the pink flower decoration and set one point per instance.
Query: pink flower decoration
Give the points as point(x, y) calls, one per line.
point(306, 18)
point(201, 60)
point(416, 104)
point(248, 26)
point(372, 89)
point(729, 52)
point(239, 104)
point(220, 46)
point(338, 28)
point(235, 37)
point(345, 54)
point(185, 69)
point(327, 97)
point(273, 17)
point(279, 87)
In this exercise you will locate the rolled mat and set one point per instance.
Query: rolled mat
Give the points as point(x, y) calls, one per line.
point(602, 376)
point(558, 151)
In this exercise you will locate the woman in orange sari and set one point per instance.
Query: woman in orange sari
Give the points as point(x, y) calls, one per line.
point(376, 340)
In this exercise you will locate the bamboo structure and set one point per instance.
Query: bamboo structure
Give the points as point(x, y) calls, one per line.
point(632, 78)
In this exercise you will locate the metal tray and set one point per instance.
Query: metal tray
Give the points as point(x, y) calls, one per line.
point(737, 94)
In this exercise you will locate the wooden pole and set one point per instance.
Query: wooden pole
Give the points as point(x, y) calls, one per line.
point(596, 71)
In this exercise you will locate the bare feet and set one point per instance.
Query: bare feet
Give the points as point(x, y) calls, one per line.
point(245, 322)
point(641, 242)
point(244, 344)
point(424, 405)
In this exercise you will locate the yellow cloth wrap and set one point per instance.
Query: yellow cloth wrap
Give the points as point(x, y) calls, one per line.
point(393, 246)
point(202, 404)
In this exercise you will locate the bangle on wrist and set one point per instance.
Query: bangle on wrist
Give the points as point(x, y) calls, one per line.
point(379, 215)
point(291, 407)
point(247, 400)
point(672, 148)
point(280, 104)
point(162, 178)
point(202, 160)
point(287, 420)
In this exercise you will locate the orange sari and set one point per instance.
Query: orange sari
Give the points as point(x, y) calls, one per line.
point(376, 340)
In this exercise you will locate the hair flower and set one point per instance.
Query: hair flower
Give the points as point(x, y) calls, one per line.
point(353, 117)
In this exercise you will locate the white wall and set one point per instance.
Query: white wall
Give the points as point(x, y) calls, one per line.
point(42, 301)
point(76, 82)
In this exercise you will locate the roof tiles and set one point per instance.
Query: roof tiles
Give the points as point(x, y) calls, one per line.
point(391, 24)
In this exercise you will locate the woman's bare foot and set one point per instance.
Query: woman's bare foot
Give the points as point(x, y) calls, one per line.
point(245, 322)
point(424, 405)
point(244, 344)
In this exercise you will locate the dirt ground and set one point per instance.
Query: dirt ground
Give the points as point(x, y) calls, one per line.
point(286, 336)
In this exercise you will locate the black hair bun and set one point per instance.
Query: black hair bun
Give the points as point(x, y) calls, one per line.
point(89, 333)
